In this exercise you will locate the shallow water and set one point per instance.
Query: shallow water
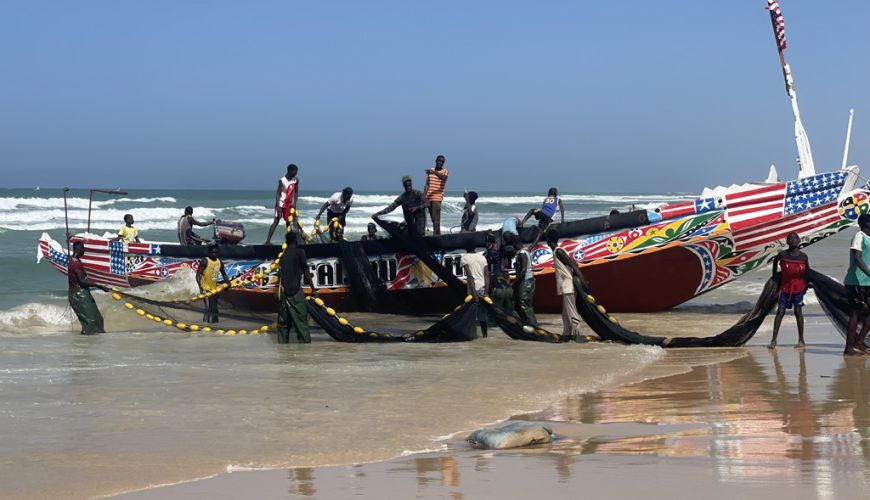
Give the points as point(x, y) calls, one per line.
point(98, 414)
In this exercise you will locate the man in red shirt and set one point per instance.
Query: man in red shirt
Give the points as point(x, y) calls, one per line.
point(80, 297)
point(793, 265)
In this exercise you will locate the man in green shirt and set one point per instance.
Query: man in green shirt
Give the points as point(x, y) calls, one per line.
point(858, 285)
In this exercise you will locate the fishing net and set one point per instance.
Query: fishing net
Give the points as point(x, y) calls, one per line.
point(369, 292)
point(458, 326)
point(834, 300)
point(608, 328)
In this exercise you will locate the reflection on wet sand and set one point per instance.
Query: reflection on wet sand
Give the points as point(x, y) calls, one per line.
point(762, 425)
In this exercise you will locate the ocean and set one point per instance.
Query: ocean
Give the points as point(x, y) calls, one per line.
point(142, 405)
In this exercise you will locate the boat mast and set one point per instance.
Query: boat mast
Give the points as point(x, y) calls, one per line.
point(848, 138)
point(805, 154)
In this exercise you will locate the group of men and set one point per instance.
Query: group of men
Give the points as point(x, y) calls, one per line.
point(414, 204)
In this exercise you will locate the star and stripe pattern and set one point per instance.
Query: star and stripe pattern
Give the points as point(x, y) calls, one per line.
point(778, 24)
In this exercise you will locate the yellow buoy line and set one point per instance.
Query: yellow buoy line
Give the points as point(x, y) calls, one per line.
point(190, 327)
point(364, 331)
point(601, 309)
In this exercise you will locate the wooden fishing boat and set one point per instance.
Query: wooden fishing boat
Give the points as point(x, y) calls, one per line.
point(636, 262)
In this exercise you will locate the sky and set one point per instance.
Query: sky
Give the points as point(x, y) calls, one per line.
point(631, 96)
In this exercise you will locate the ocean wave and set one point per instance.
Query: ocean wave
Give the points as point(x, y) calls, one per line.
point(36, 317)
point(36, 202)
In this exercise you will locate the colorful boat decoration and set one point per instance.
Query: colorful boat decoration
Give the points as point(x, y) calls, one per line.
point(635, 263)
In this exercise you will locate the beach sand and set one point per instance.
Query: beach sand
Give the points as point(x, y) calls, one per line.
point(711, 423)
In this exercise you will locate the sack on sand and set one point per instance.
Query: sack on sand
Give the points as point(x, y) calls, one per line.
point(512, 435)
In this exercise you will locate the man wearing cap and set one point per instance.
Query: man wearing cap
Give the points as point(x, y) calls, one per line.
point(372, 233)
point(413, 208)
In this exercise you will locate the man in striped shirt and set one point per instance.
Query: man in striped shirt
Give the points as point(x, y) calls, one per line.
point(436, 179)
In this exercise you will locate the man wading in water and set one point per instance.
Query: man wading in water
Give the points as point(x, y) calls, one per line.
point(80, 297)
point(292, 311)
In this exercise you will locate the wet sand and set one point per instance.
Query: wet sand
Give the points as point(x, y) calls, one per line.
point(712, 423)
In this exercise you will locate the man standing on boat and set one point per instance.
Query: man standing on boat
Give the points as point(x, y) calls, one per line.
point(80, 297)
point(186, 236)
point(292, 310)
point(285, 198)
point(336, 207)
point(413, 208)
point(545, 214)
point(436, 180)
point(566, 268)
point(128, 233)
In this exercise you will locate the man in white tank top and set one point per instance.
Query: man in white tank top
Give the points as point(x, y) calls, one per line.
point(566, 268)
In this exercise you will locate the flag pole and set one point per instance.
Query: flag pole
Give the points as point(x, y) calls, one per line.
point(848, 139)
point(806, 167)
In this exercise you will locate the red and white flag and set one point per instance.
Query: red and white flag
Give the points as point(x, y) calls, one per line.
point(778, 24)
point(755, 206)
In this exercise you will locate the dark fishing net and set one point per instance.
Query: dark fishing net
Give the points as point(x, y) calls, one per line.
point(518, 329)
point(369, 292)
point(607, 327)
point(458, 326)
point(420, 249)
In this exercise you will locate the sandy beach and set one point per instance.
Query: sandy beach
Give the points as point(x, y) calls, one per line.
point(720, 423)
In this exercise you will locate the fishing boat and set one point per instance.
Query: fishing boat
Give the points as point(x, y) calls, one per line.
point(640, 261)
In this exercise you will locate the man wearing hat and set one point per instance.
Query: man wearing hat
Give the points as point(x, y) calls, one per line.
point(413, 208)
point(372, 233)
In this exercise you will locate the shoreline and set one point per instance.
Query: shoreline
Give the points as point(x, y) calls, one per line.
point(650, 432)
point(443, 444)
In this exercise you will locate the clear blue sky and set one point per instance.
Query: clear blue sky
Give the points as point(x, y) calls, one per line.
point(625, 96)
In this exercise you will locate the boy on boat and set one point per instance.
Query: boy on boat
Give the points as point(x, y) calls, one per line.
point(468, 223)
point(336, 207)
point(285, 198)
point(544, 215)
point(207, 278)
point(858, 285)
point(371, 233)
point(128, 233)
point(566, 268)
point(292, 310)
point(477, 280)
point(413, 208)
point(79, 294)
point(793, 265)
point(186, 236)
point(436, 180)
